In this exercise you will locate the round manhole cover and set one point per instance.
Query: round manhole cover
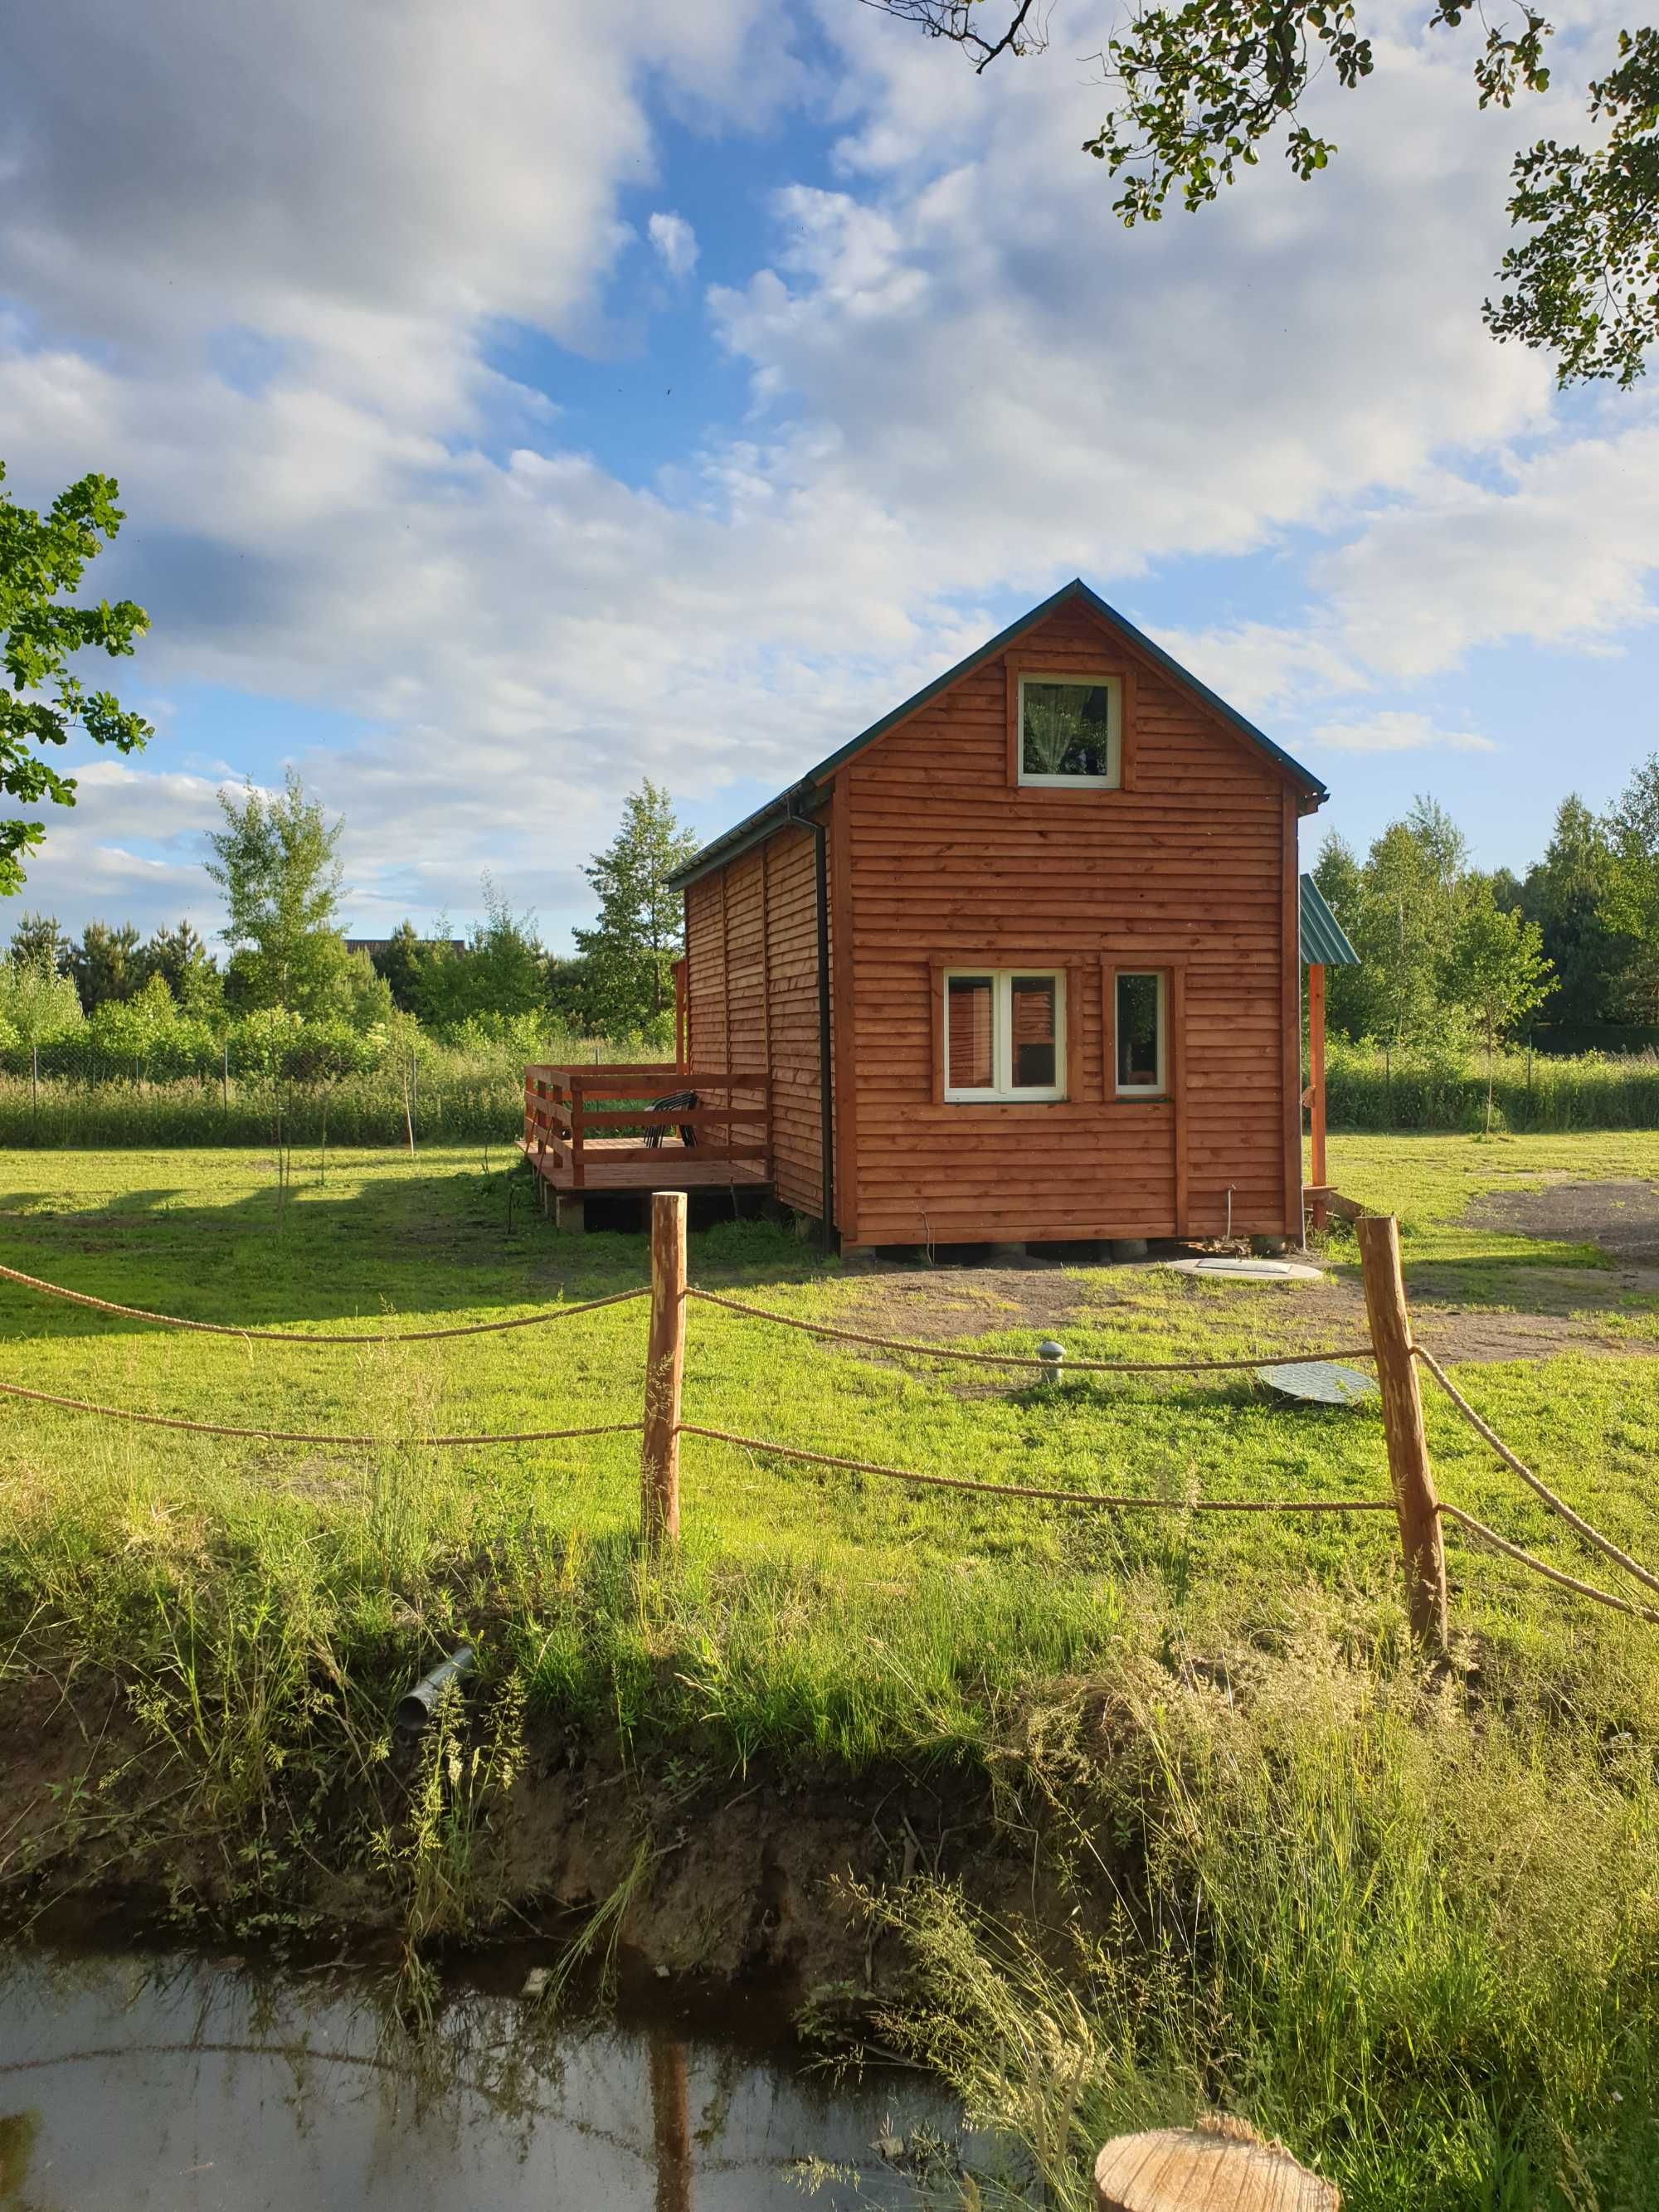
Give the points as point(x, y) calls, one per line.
point(1250, 1271)
point(1319, 1382)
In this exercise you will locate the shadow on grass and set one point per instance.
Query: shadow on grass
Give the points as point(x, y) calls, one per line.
point(370, 1238)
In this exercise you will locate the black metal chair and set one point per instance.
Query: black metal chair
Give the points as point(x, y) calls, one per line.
point(677, 1102)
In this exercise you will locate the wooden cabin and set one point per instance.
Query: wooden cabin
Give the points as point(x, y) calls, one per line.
point(1018, 963)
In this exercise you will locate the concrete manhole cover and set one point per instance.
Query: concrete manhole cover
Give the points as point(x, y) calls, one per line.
point(1319, 1382)
point(1250, 1271)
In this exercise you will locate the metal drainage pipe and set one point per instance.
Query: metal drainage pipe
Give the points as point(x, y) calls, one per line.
point(417, 1706)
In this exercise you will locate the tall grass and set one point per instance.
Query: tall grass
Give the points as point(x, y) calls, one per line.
point(474, 1093)
point(1409, 1922)
point(1367, 1089)
point(470, 1093)
point(1418, 1943)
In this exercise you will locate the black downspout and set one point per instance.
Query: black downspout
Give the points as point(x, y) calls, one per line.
point(826, 1110)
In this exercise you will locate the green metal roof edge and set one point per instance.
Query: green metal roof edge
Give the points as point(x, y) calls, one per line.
point(759, 825)
point(1324, 941)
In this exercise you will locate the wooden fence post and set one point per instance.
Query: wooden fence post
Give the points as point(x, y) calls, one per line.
point(660, 1456)
point(1414, 1499)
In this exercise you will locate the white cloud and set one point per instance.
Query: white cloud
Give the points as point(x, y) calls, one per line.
point(674, 243)
point(1261, 667)
point(1396, 731)
point(264, 276)
point(1560, 553)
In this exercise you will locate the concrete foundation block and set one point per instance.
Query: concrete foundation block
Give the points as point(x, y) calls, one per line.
point(570, 1212)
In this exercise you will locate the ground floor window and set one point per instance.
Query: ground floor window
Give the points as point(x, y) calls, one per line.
point(1141, 1024)
point(1005, 1034)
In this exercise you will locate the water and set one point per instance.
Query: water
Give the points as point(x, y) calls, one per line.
point(186, 2084)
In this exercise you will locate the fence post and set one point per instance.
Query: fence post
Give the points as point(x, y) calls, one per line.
point(34, 1082)
point(660, 1456)
point(1414, 1499)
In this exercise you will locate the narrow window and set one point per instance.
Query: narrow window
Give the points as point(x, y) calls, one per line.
point(1141, 1044)
point(969, 1058)
point(1069, 730)
point(1004, 1036)
point(1033, 1008)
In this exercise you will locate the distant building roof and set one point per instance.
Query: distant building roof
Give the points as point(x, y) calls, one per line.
point(1324, 941)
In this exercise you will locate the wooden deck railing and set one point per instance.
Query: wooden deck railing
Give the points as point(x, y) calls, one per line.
point(568, 1112)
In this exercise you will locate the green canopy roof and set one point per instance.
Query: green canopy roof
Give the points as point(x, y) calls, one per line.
point(1324, 943)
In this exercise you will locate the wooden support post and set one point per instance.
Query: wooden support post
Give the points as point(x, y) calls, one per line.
point(1414, 1499)
point(1316, 1083)
point(660, 1456)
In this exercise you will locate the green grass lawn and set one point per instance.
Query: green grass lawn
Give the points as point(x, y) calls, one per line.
point(1349, 1873)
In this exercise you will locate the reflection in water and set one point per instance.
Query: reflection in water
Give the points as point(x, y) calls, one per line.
point(670, 2121)
point(180, 2083)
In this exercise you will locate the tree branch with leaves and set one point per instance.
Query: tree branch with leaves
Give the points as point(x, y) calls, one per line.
point(42, 699)
point(1200, 88)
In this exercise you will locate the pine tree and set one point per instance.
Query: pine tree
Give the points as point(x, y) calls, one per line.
point(37, 941)
point(108, 965)
point(179, 957)
point(631, 948)
point(1566, 896)
point(401, 961)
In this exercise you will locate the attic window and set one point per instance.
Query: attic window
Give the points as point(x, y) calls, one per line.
point(1071, 730)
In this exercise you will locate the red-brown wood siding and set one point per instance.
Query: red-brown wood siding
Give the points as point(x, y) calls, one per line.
point(938, 861)
point(950, 864)
point(752, 961)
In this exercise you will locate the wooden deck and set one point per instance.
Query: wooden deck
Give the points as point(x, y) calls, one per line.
point(617, 1163)
point(566, 1109)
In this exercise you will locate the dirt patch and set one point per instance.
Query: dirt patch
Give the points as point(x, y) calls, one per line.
point(942, 1304)
point(1620, 1218)
point(1534, 1313)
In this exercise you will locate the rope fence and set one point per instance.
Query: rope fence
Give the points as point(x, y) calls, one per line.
point(304, 1437)
point(1393, 1347)
point(1577, 1522)
point(317, 1343)
point(1026, 1359)
point(1485, 1535)
point(1088, 1497)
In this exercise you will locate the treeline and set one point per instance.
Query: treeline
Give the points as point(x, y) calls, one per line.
point(291, 1000)
point(1451, 954)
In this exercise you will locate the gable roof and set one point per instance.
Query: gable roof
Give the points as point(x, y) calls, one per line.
point(755, 827)
point(1325, 943)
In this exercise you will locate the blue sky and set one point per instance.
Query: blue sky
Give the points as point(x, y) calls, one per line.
point(503, 413)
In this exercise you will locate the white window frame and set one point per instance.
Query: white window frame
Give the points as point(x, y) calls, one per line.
point(1160, 1089)
point(1113, 686)
point(1003, 1091)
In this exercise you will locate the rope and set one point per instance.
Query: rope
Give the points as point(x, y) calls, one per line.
point(302, 1437)
point(1478, 1529)
point(298, 1336)
point(1576, 1521)
point(1024, 1359)
point(1052, 1496)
